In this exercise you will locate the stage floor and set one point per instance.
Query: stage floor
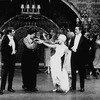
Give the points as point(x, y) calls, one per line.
point(44, 85)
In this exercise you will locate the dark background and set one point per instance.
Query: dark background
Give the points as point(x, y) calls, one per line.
point(56, 10)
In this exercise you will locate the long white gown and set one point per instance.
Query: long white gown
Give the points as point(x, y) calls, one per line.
point(96, 61)
point(68, 62)
point(59, 75)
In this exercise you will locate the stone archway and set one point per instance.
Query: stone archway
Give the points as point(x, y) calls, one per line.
point(22, 23)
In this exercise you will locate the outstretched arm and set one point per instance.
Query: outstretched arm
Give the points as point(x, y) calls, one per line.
point(47, 44)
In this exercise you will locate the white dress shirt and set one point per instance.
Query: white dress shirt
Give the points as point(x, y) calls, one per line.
point(76, 42)
point(12, 44)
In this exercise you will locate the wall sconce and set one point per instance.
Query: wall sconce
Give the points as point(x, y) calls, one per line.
point(77, 21)
point(84, 21)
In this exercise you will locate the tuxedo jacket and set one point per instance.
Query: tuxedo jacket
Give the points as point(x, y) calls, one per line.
point(6, 50)
point(81, 49)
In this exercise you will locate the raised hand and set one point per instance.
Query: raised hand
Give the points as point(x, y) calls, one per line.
point(44, 36)
point(39, 41)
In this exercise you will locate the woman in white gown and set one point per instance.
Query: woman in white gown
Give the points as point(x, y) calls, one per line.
point(96, 61)
point(59, 75)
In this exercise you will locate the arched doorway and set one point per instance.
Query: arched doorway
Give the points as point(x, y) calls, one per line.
point(22, 23)
point(56, 18)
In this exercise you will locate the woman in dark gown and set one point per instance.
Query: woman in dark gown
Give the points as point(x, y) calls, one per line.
point(30, 63)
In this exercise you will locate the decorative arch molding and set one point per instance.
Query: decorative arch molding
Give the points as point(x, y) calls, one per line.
point(72, 7)
point(23, 20)
point(22, 23)
point(22, 31)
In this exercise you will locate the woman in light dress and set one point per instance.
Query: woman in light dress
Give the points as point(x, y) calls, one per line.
point(47, 54)
point(48, 51)
point(96, 61)
point(59, 75)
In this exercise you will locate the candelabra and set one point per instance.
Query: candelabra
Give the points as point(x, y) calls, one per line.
point(30, 9)
point(84, 21)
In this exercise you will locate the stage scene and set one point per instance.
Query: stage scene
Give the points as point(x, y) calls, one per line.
point(49, 49)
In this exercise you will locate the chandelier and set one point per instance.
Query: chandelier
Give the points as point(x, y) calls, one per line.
point(30, 8)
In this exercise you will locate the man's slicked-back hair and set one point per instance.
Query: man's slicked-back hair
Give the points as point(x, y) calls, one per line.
point(9, 30)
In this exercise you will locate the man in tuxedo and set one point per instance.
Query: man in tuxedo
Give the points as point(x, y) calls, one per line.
point(90, 55)
point(78, 48)
point(8, 51)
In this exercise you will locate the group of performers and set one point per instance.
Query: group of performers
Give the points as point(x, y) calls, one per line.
point(65, 56)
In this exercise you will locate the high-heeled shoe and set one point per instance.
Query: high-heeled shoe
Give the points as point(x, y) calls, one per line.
point(54, 90)
point(82, 90)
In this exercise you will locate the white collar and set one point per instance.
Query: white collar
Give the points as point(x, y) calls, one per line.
point(79, 35)
point(10, 37)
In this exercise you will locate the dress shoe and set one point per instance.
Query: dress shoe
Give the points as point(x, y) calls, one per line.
point(82, 90)
point(71, 88)
point(95, 75)
point(32, 90)
point(24, 87)
point(1, 92)
point(11, 90)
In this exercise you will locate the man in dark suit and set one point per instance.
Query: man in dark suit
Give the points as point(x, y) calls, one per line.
point(90, 55)
point(78, 47)
point(8, 51)
point(92, 52)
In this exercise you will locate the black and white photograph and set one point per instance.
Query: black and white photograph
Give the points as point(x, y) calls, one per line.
point(49, 49)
